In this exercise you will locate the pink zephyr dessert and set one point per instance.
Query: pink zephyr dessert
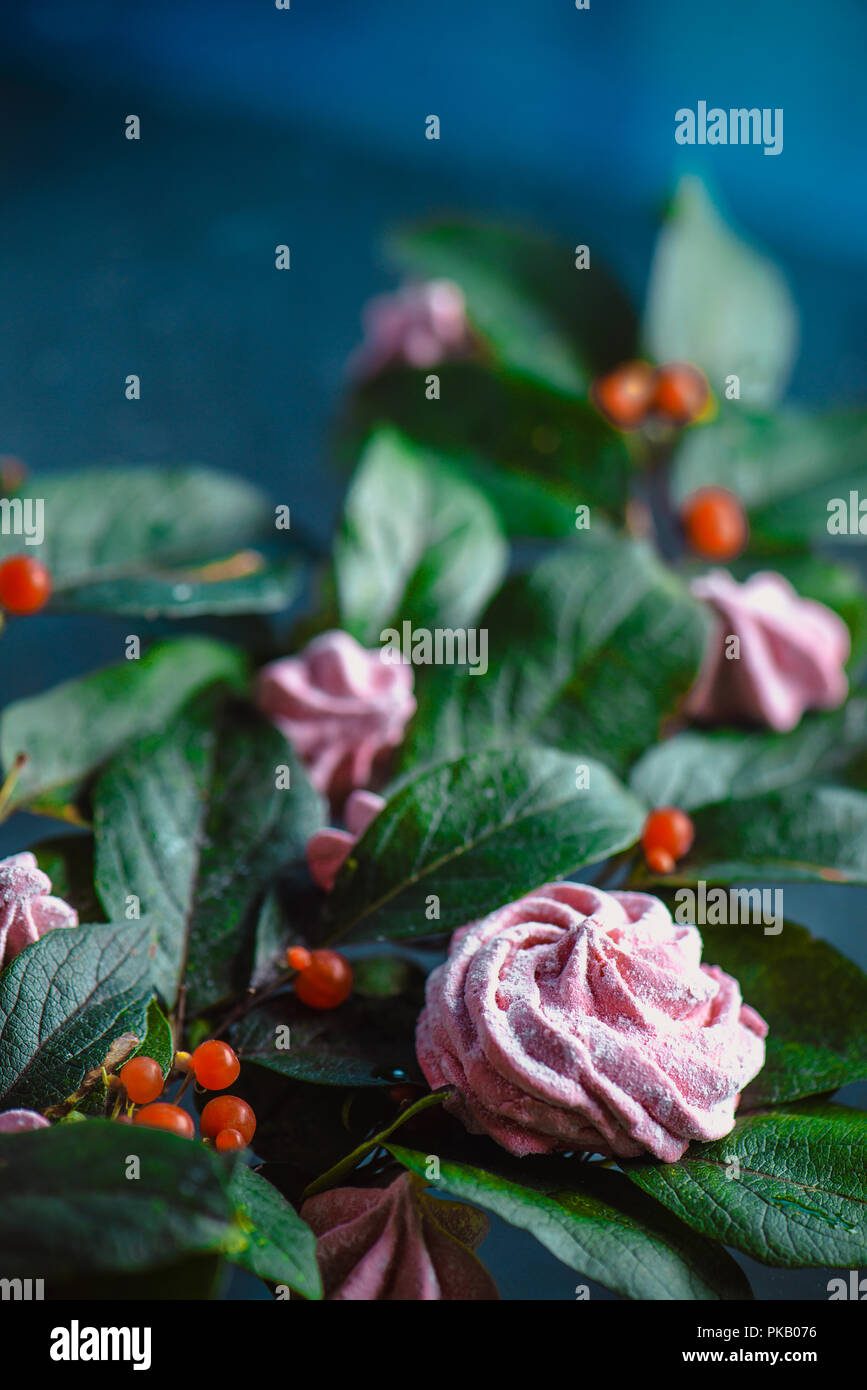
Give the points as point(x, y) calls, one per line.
point(27, 909)
point(793, 653)
point(418, 325)
point(328, 848)
point(341, 707)
point(397, 1243)
point(580, 1019)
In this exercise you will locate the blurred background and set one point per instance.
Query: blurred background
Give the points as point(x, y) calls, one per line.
point(306, 127)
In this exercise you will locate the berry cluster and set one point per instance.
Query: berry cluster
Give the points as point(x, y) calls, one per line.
point(636, 393)
point(667, 836)
point(227, 1120)
point(25, 585)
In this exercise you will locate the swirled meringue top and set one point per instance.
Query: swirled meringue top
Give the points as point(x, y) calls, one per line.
point(579, 1019)
point(27, 909)
point(793, 652)
point(397, 1243)
point(341, 707)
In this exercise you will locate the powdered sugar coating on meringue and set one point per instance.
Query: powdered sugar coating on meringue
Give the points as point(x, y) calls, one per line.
point(27, 909)
point(580, 1019)
point(793, 653)
point(341, 707)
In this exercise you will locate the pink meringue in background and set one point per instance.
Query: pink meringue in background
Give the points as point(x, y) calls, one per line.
point(27, 910)
point(579, 1019)
point(418, 325)
point(15, 1121)
point(341, 707)
point(327, 849)
point(793, 652)
point(397, 1243)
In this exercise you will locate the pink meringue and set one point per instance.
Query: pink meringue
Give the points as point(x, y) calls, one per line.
point(327, 849)
point(793, 652)
point(15, 1121)
point(341, 707)
point(27, 911)
point(397, 1243)
point(418, 325)
point(579, 1019)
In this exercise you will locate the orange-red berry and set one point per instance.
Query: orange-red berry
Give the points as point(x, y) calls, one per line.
point(680, 393)
point(143, 1079)
point(165, 1116)
point(25, 585)
point(625, 395)
point(298, 958)
point(667, 836)
point(216, 1065)
point(229, 1139)
point(227, 1112)
point(326, 982)
point(714, 523)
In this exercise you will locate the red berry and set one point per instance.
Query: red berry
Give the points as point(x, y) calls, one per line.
point(681, 392)
point(227, 1112)
point(143, 1079)
point(625, 395)
point(714, 523)
point(230, 1139)
point(165, 1116)
point(326, 982)
point(667, 831)
point(25, 585)
point(298, 958)
point(216, 1065)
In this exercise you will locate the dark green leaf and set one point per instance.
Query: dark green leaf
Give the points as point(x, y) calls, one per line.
point(467, 836)
point(63, 1001)
point(279, 1246)
point(588, 1220)
point(157, 1042)
point(787, 1188)
point(535, 453)
point(185, 594)
point(714, 301)
point(799, 833)
point(69, 731)
point(192, 822)
point(101, 522)
point(539, 314)
point(695, 769)
point(813, 999)
point(569, 650)
point(76, 1211)
point(417, 544)
point(359, 1044)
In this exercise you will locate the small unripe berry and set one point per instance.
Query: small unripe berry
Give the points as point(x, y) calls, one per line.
point(667, 836)
point(625, 395)
point(298, 958)
point(165, 1116)
point(326, 982)
point(714, 523)
point(216, 1065)
point(229, 1139)
point(681, 392)
point(25, 585)
point(143, 1079)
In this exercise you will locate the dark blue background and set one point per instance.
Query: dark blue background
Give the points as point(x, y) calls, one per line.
point(307, 127)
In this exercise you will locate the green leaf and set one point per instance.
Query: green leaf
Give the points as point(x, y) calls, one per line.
point(361, 1043)
point(535, 453)
point(63, 1001)
point(69, 731)
point(102, 522)
point(570, 647)
point(796, 1198)
point(696, 769)
point(477, 833)
point(192, 822)
point(714, 301)
point(785, 468)
point(279, 1246)
point(184, 594)
point(77, 1212)
point(588, 1220)
point(813, 999)
point(433, 559)
point(540, 315)
point(157, 1042)
point(801, 833)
